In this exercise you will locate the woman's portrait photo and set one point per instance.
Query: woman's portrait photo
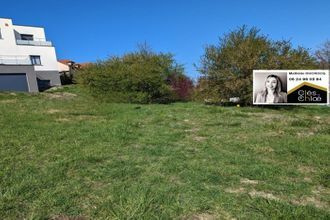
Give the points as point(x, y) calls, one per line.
point(270, 88)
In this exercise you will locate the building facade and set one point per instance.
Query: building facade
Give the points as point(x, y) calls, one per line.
point(27, 60)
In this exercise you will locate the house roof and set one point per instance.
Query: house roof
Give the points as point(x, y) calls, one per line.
point(76, 65)
point(65, 61)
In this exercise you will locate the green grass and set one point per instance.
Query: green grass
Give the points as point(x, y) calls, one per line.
point(71, 156)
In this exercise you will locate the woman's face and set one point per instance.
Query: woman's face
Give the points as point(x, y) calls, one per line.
point(271, 83)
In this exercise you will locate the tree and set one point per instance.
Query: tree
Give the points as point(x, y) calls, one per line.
point(323, 55)
point(227, 68)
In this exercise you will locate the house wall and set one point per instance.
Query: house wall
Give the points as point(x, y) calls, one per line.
point(8, 47)
point(37, 32)
point(62, 67)
point(28, 70)
point(53, 76)
point(8, 37)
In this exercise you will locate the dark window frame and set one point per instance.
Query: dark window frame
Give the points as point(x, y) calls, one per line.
point(27, 37)
point(35, 60)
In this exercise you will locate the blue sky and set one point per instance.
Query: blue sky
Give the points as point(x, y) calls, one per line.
point(89, 30)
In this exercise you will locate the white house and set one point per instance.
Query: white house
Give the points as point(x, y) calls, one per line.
point(63, 66)
point(27, 60)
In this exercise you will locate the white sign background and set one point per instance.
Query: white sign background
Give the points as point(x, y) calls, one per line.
point(290, 79)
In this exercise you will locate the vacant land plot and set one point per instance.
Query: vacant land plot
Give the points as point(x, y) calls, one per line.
point(64, 155)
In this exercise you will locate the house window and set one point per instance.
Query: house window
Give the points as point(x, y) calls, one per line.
point(26, 37)
point(35, 60)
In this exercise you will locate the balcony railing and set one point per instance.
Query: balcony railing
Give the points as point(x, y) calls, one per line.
point(15, 60)
point(34, 42)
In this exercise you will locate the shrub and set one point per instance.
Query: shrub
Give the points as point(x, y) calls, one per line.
point(182, 86)
point(137, 77)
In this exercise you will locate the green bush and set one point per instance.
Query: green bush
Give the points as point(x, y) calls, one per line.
point(137, 77)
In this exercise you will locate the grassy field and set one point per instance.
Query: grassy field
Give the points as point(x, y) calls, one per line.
point(64, 155)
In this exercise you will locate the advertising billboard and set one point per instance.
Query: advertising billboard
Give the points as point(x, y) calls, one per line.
point(291, 87)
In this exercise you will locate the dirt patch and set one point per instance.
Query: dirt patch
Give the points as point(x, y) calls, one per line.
point(81, 118)
point(55, 88)
point(305, 134)
point(137, 146)
point(312, 200)
point(306, 169)
point(317, 118)
point(321, 120)
point(235, 190)
point(249, 182)
point(275, 133)
point(65, 217)
point(60, 95)
point(8, 101)
point(320, 190)
point(308, 180)
point(222, 214)
point(268, 160)
point(62, 120)
point(199, 138)
point(53, 111)
point(265, 149)
point(262, 194)
point(87, 117)
point(242, 138)
point(175, 180)
point(192, 130)
point(203, 216)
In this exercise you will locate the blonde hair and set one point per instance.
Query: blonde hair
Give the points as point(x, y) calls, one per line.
point(277, 90)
